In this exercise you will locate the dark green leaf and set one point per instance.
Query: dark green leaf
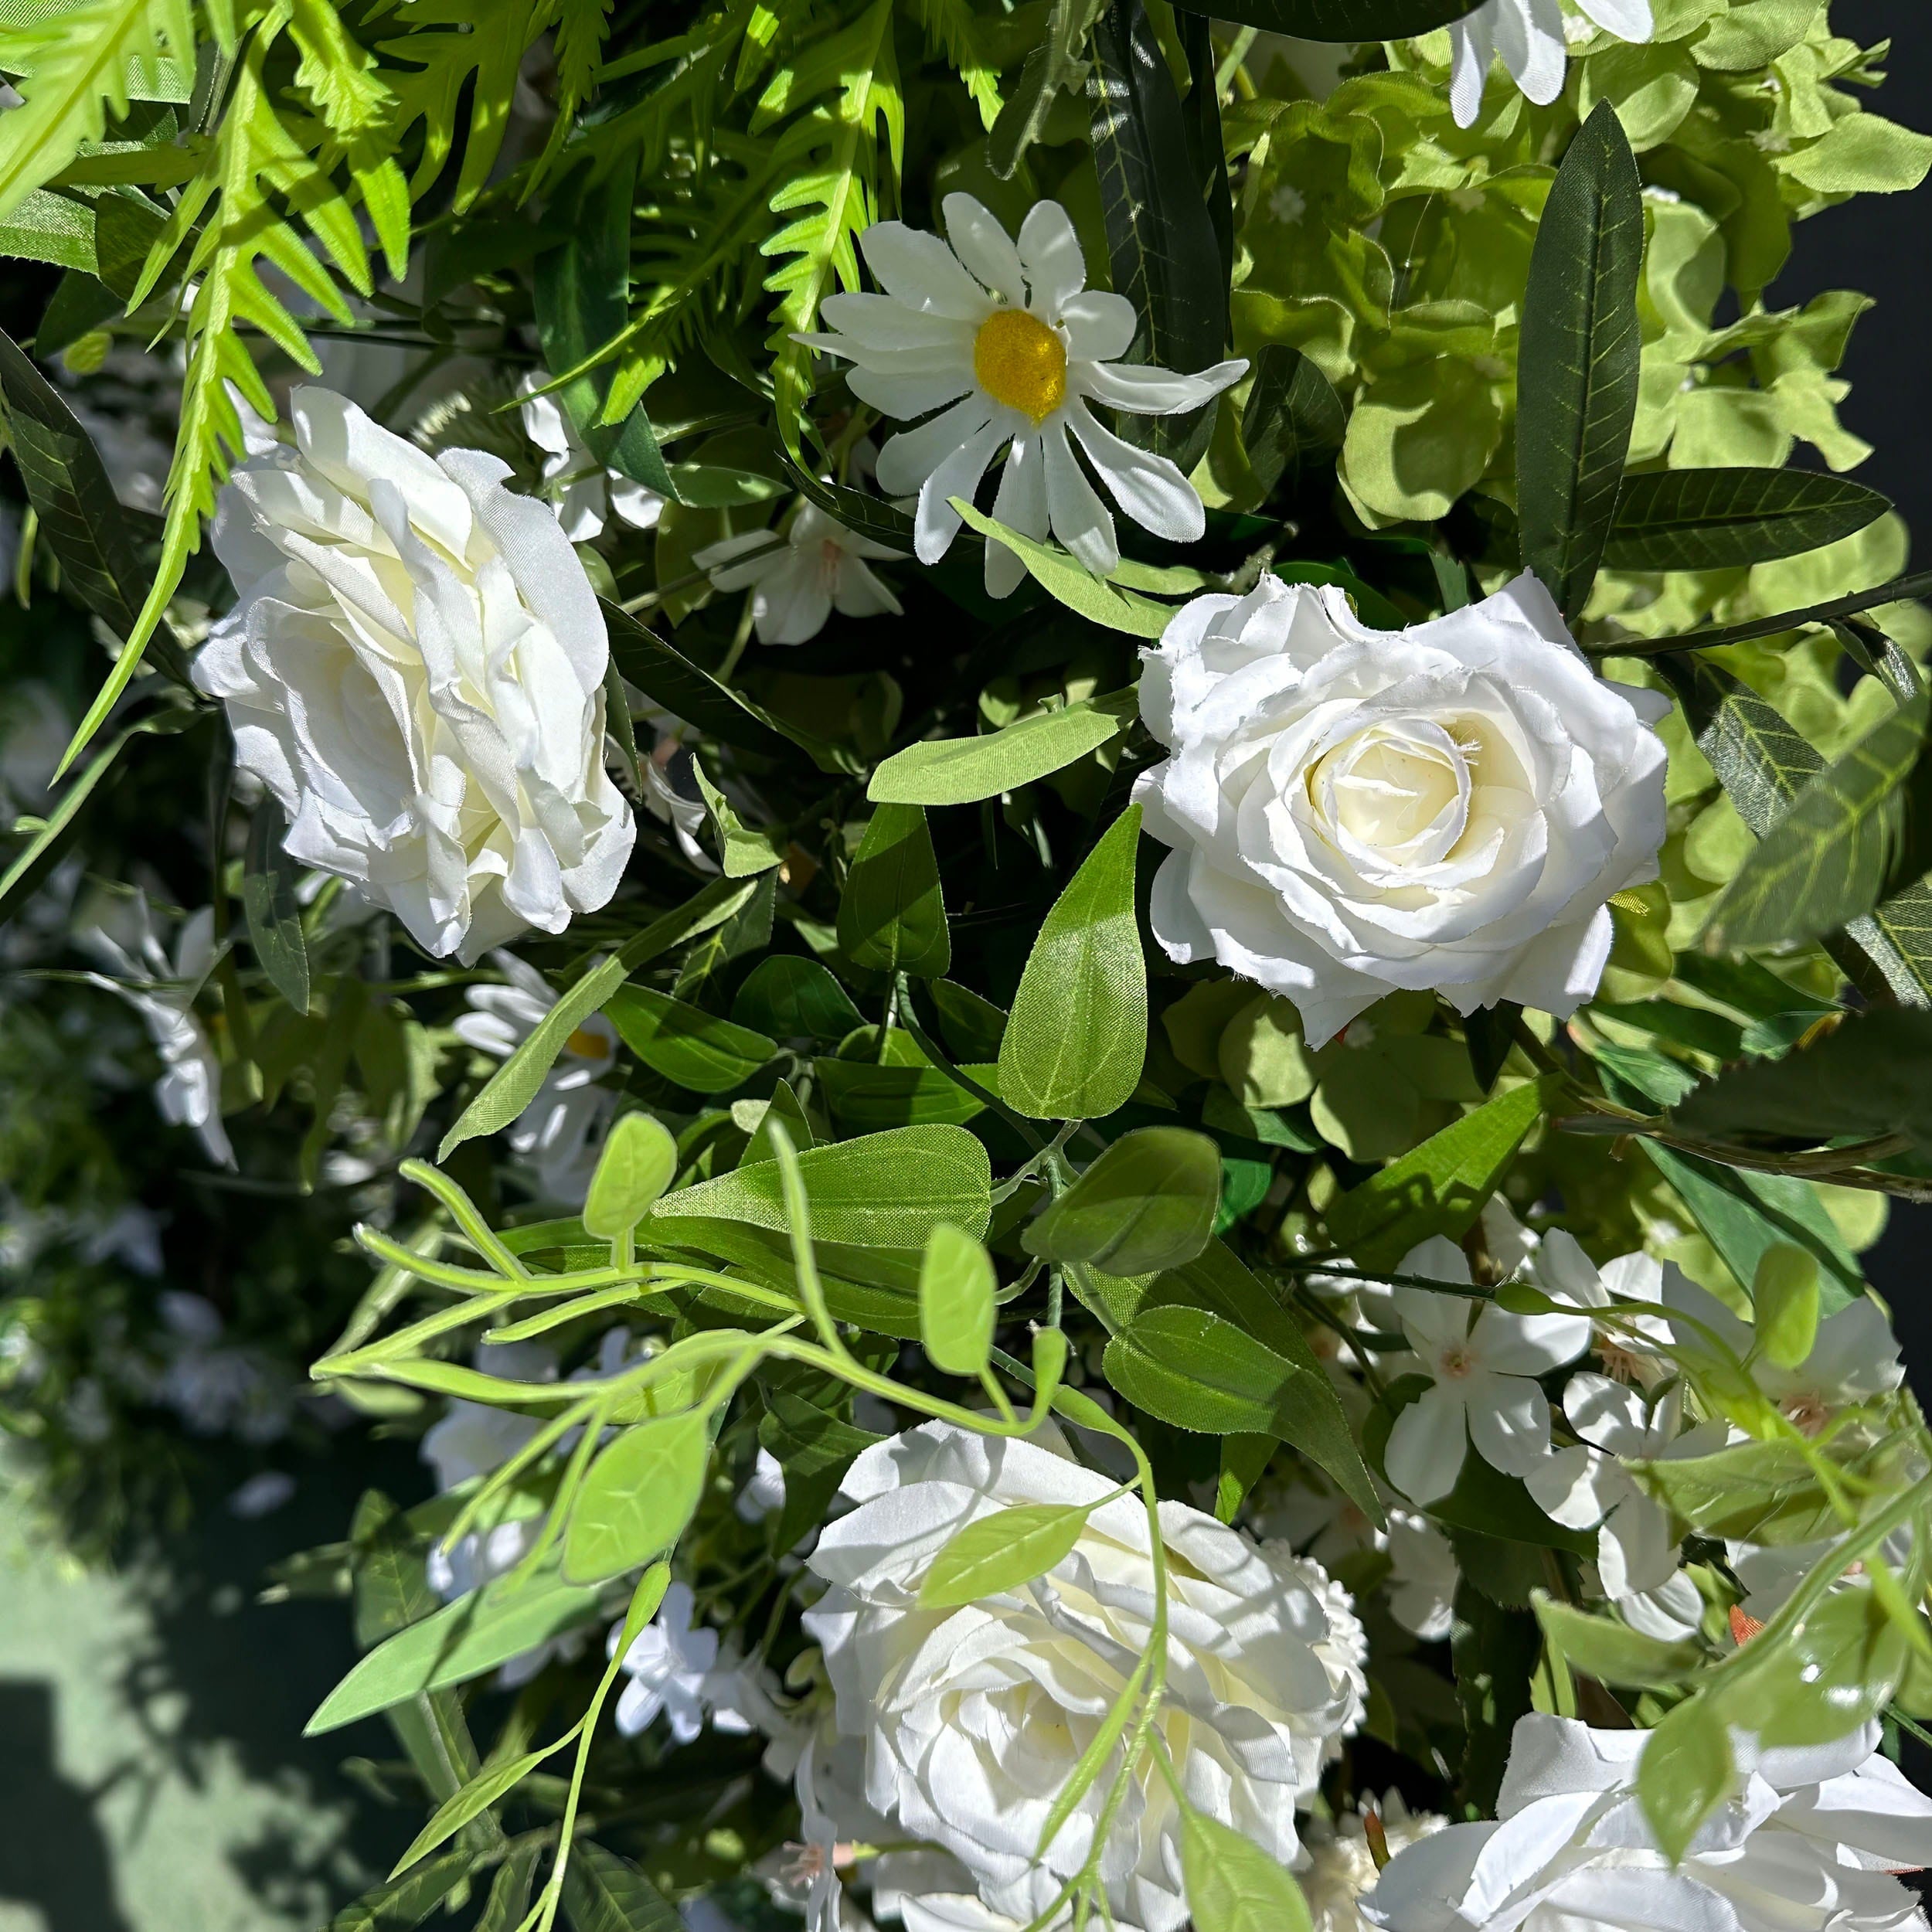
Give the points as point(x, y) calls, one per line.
point(1719, 519)
point(1494, 1651)
point(637, 1497)
point(1341, 19)
point(602, 1892)
point(409, 1900)
point(867, 1097)
point(961, 771)
point(868, 515)
point(1160, 239)
point(1685, 1773)
point(794, 998)
point(1577, 368)
point(665, 674)
point(685, 1043)
point(892, 915)
point(1076, 1040)
point(972, 1027)
point(1292, 412)
point(1827, 860)
point(1057, 64)
point(1147, 1204)
point(1490, 1032)
point(1194, 1370)
point(269, 902)
point(510, 1890)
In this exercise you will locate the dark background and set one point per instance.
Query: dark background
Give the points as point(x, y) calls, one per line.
point(1883, 244)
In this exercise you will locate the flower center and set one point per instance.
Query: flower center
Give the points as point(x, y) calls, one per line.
point(1398, 788)
point(586, 1044)
point(1021, 363)
point(1456, 1362)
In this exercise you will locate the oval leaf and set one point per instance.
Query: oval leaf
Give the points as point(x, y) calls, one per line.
point(1148, 1203)
point(1193, 1369)
point(685, 1044)
point(1000, 1552)
point(956, 1306)
point(637, 1497)
point(961, 771)
point(1232, 1884)
point(639, 1162)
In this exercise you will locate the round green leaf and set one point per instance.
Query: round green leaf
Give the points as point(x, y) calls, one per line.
point(639, 1160)
point(956, 1309)
point(638, 1496)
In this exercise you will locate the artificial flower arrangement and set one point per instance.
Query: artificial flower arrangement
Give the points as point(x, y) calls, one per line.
point(1034, 857)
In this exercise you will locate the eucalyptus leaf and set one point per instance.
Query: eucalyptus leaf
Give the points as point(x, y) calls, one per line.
point(1076, 1039)
point(892, 915)
point(1784, 1304)
point(1147, 1204)
point(637, 1498)
point(961, 771)
point(998, 1552)
point(956, 1309)
point(1718, 520)
point(1832, 1673)
point(685, 1044)
point(1577, 365)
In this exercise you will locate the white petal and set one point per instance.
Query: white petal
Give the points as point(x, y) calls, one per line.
point(1628, 19)
point(984, 246)
point(1567, 1489)
point(1020, 506)
point(913, 455)
point(1100, 325)
point(1427, 1446)
point(1049, 251)
point(937, 521)
point(1079, 518)
point(1148, 487)
point(1529, 36)
point(1158, 392)
point(1473, 48)
point(1635, 1550)
point(920, 270)
point(1509, 1422)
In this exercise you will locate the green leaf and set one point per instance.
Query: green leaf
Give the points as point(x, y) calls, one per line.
point(892, 915)
point(1345, 20)
point(465, 1639)
point(783, 1109)
point(881, 1190)
point(1056, 66)
point(639, 1162)
point(1232, 1884)
point(1613, 1653)
point(1438, 1188)
point(1871, 1074)
point(747, 850)
point(1719, 519)
point(1292, 411)
point(274, 914)
point(685, 1043)
point(514, 1084)
point(1836, 1671)
point(956, 1309)
point(602, 1892)
point(406, 1901)
point(1494, 1652)
point(869, 1098)
point(1070, 583)
point(510, 1890)
point(1685, 1773)
point(1193, 1369)
point(1753, 1492)
point(1161, 242)
point(666, 676)
point(637, 1497)
point(1827, 861)
point(581, 291)
point(1784, 1299)
point(794, 998)
point(1741, 1214)
point(1076, 1039)
point(471, 1800)
point(1576, 368)
point(999, 1552)
point(1147, 1204)
point(961, 771)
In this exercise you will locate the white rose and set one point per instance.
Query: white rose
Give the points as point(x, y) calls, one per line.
point(973, 1719)
point(415, 669)
point(1810, 1840)
point(1353, 811)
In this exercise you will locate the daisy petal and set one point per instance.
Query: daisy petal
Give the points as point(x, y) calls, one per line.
point(920, 270)
point(937, 521)
point(1050, 252)
point(1474, 48)
point(1148, 487)
point(1079, 518)
point(912, 456)
point(1020, 506)
point(1100, 325)
point(1628, 19)
point(985, 247)
point(906, 397)
point(1529, 36)
point(878, 322)
point(1158, 392)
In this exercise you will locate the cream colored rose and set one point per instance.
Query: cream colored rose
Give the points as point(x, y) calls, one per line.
point(973, 1719)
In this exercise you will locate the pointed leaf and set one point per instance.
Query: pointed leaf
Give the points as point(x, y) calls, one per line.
point(1148, 1203)
point(637, 1497)
point(273, 913)
point(698, 1050)
point(892, 916)
point(1719, 519)
point(1001, 1552)
point(956, 1307)
point(961, 771)
point(1232, 1884)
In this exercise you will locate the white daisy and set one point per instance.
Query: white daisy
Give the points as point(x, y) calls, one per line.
point(583, 492)
point(795, 586)
point(1008, 345)
point(1530, 36)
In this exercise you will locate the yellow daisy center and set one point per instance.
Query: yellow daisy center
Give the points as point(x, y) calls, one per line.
point(1021, 363)
point(585, 1044)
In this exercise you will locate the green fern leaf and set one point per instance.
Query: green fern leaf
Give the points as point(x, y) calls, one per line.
point(77, 58)
point(336, 72)
point(831, 168)
point(255, 156)
point(581, 27)
point(952, 26)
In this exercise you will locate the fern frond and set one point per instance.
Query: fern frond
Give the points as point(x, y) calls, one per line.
point(953, 28)
point(771, 22)
point(831, 170)
point(74, 57)
point(581, 26)
point(256, 166)
point(336, 72)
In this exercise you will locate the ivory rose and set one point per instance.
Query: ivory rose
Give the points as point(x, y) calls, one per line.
point(415, 669)
point(973, 1719)
point(1355, 811)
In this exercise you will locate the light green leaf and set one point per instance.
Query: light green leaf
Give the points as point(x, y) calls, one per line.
point(1836, 1671)
point(1440, 1187)
point(1613, 1653)
point(1069, 582)
point(1762, 1492)
point(1784, 1299)
point(892, 915)
point(639, 1162)
point(747, 850)
point(269, 903)
point(1685, 1773)
point(1197, 1372)
point(1076, 1039)
point(637, 1497)
point(1577, 365)
point(956, 1309)
point(1232, 1884)
point(685, 1043)
point(1147, 1204)
point(473, 1799)
point(514, 1084)
point(999, 1552)
point(1716, 519)
point(961, 771)
point(604, 1892)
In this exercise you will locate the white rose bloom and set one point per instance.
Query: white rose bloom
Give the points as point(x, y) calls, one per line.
point(1532, 37)
point(1008, 344)
point(973, 1719)
point(415, 669)
point(819, 568)
point(1810, 1840)
point(584, 492)
point(1352, 810)
point(1341, 1870)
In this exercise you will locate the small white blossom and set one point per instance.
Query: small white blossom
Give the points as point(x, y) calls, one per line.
point(1341, 1870)
point(584, 492)
point(1533, 38)
point(796, 585)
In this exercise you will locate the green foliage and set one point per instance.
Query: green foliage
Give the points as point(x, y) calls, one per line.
point(639, 1162)
point(637, 1498)
point(1711, 520)
point(956, 1289)
point(1000, 1552)
point(1147, 1204)
point(892, 914)
point(1232, 1884)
